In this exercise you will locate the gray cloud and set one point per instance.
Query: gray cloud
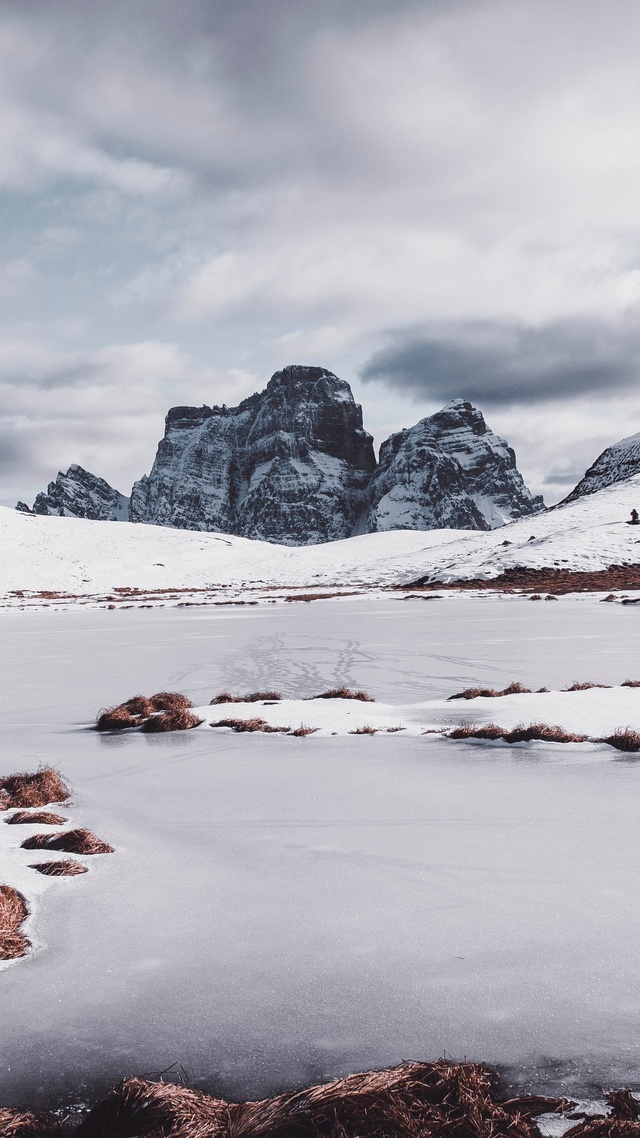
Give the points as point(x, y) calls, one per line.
point(494, 362)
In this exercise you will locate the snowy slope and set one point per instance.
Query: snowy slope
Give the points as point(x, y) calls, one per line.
point(84, 557)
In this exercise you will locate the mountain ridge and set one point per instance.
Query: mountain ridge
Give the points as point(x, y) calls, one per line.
point(293, 463)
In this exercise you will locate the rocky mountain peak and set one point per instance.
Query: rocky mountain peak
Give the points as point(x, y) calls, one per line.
point(616, 463)
point(80, 494)
point(449, 470)
point(290, 463)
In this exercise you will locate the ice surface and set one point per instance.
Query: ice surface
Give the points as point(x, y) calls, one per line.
point(280, 910)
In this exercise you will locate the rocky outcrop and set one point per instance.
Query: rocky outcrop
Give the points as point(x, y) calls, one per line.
point(80, 494)
point(615, 464)
point(290, 464)
point(449, 470)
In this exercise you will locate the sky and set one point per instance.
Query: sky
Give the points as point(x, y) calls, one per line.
point(432, 198)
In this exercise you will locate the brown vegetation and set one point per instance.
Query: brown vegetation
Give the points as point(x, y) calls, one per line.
point(253, 697)
point(519, 734)
point(250, 725)
point(169, 701)
point(23, 1124)
point(39, 818)
point(138, 710)
point(302, 730)
point(71, 841)
point(623, 739)
point(630, 684)
point(64, 868)
point(413, 1100)
point(179, 720)
point(117, 719)
point(13, 912)
point(560, 581)
point(27, 790)
point(491, 693)
point(585, 686)
point(345, 693)
point(366, 730)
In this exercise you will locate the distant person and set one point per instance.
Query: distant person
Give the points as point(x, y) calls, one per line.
point(635, 519)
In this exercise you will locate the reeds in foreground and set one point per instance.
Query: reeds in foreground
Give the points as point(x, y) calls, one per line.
point(13, 912)
point(414, 1100)
point(28, 790)
point(62, 868)
point(79, 841)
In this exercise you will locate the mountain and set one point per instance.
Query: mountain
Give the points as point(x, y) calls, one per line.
point(293, 464)
point(80, 494)
point(448, 471)
point(616, 463)
point(289, 464)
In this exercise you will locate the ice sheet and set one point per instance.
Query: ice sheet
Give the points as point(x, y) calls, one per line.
point(281, 910)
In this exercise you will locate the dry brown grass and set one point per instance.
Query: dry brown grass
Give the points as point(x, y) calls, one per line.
point(391, 730)
point(253, 697)
point(302, 730)
point(584, 685)
point(35, 818)
point(179, 720)
point(414, 1100)
point(23, 1124)
point(255, 724)
point(71, 841)
point(62, 868)
point(138, 705)
point(13, 911)
point(491, 693)
point(345, 693)
point(519, 734)
point(117, 719)
point(630, 684)
point(623, 739)
point(28, 790)
point(150, 1110)
point(169, 701)
point(366, 730)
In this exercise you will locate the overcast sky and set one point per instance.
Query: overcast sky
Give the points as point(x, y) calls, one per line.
point(430, 197)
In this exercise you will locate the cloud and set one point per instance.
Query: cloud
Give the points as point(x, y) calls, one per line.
point(104, 409)
point(503, 362)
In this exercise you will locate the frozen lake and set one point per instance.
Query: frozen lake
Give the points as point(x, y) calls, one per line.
point(282, 910)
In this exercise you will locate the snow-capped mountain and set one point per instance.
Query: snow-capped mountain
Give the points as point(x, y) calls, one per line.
point(617, 462)
point(290, 464)
point(293, 464)
point(80, 494)
point(449, 470)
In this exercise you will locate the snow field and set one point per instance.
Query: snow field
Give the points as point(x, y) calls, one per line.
point(85, 558)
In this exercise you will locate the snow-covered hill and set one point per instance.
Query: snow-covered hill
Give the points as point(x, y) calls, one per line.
point(86, 558)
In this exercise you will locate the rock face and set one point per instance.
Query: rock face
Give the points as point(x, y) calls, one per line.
point(291, 464)
point(79, 494)
point(449, 470)
point(615, 464)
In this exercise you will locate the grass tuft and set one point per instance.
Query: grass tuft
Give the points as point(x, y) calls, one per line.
point(71, 841)
point(491, 693)
point(623, 739)
point(28, 790)
point(366, 730)
point(253, 697)
point(179, 720)
point(13, 912)
point(64, 868)
point(519, 734)
point(35, 818)
point(345, 693)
